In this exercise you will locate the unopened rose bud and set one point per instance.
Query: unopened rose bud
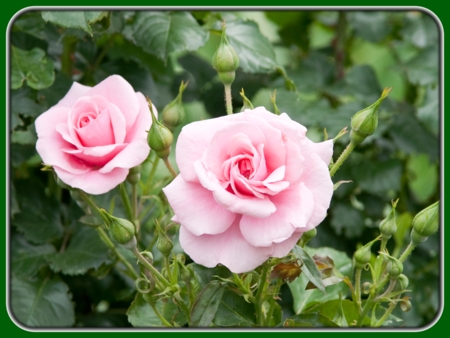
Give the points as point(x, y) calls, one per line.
point(388, 226)
point(426, 222)
point(225, 60)
point(365, 122)
point(120, 230)
point(173, 114)
point(247, 102)
point(363, 254)
point(159, 137)
point(134, 175)
point(164, 245)
point(307, 236)
point(405, 304)
point(402, 283)
point(394, 268)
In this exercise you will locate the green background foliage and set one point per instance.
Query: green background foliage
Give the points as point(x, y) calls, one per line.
point(324, 65)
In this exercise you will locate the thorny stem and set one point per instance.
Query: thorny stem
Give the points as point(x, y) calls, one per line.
point(258, 298)
point(229, 105)
point(411, 246)
point(111, 245)
point(150, 268)
point(386, 314)
point(342, 158)
point(358, 288)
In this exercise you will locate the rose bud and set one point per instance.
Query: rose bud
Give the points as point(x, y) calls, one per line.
point(365, 122)
point(363, 254)
point(394, 268)
point(164, 244)
point(173, 113)
point(307, 236)
point(247, 103)
point(402, 283)
point(388, 226)
point(225, 60)
point(159, 138)
point(134, 175)
point(425, 223)
point(405, 304)
point(120, 230)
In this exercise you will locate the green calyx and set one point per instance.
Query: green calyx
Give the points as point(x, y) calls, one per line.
point(363, 254)
point(159, 137)
point(247, 103)
point(365, 122)
point(388, 226)
point(225, 60)
point(173, 114)
point(134, 175)
point(426, 222)
point(120, 230)
point(164, 244)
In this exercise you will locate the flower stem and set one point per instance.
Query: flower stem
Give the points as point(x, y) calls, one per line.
point(69, 46)
point(365, 310)
point(111, 245)
point(160, 316)
point(126, 201)
point(386, 314)
point(229, 105)
point(92, 205)
point(342, 158)
point(169, 166)
point(152, 173)
point(358, 288)
point(259, 298)
point(150, 268)
point(411, 246)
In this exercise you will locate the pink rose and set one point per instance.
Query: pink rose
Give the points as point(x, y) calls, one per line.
point(93, 136)
point(250, 184)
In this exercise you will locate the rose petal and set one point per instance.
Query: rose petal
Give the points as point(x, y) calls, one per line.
point(192, 143)
point(93, 182)
point(96, 156)
point(115, 89)
point(323, 149)
point(281, 249)
point(132, 155)
point(46, 121)
point(205, 216)
point(75, 92)
point(143, 121)
point(98, 132)
point(228, 248)
point(317, 179)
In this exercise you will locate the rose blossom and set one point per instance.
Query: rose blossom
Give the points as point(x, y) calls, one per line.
point(93, 136)
point(250, 184)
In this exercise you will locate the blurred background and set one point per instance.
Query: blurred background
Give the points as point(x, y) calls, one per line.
point(324, 65)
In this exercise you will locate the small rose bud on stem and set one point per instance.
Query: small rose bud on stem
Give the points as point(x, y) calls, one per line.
point(363, 123)
point(160, 139)
point(225, 61)
point(173, 114)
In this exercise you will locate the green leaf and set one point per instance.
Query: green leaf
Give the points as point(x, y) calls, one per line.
point(423, 69)
point(162, 33)
point(48, 97)
point(308, 320)
point(233, 310)
point(23, 104)
point(380, 177)
point(330, 308)
point(428, 113)
point(141, 314)
point(255, 52)
point(42, 303)
point(205, 275)
point(85, 251)
point(27, 259)
point(347, 220)
point(420, 29)
point(404, 223)
point(39, 219)
point(206, 304)
point(411, 137)
point(371, 25)
point(363, 83)
point(32, 66)
point(309, 268)
point(304, 299)
point(27, 136)
point(74, 19)
point(21, 153)
point(423, 177)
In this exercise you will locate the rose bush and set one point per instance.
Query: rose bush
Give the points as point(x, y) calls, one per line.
point(93, 136)
point(250, 184)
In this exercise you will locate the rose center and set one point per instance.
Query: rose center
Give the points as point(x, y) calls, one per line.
point(245, 167)
point(85, 120)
